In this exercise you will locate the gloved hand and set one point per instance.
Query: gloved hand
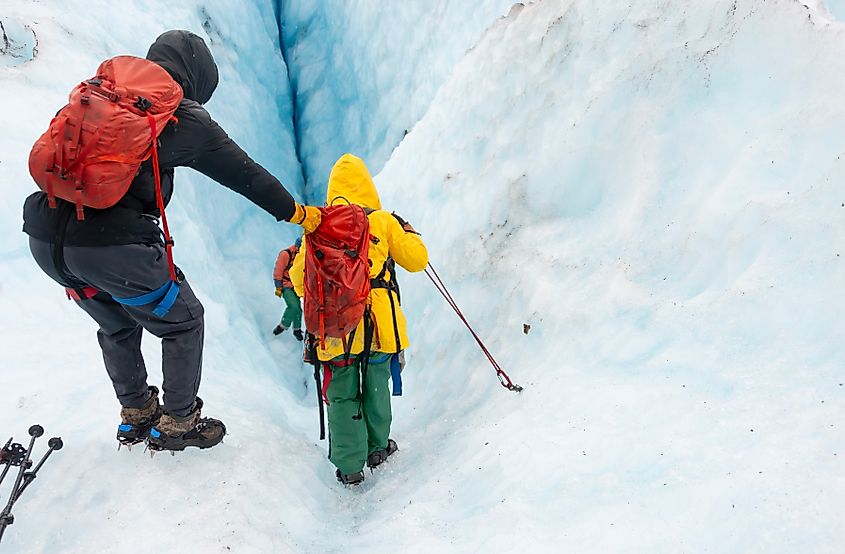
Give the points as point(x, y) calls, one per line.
point(279, 292)
point(401, 357)
point(306, 216)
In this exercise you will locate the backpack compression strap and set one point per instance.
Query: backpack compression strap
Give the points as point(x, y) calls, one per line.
point(291, 256)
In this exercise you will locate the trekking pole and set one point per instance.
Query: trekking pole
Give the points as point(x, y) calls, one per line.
point(311, 346)
point(10, 453)
point(441, 288)
point(320, 400)
point(54, 443)
point(6, 517)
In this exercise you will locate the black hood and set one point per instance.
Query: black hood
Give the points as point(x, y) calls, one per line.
point(189, 61)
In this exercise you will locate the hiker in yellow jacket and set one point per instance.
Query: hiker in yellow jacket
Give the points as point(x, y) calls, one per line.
point(359, 428)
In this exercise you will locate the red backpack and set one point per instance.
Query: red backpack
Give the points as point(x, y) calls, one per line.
point(95, 144)
point(337, 272)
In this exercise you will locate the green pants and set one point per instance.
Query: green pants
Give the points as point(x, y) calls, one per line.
point(293, 311)
point(358, 428)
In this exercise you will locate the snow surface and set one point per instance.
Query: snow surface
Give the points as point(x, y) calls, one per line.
point(654, 188)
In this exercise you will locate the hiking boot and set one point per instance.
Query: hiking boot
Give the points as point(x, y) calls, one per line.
point(380, 456)
point(278, 330)
point(298, 334)
point(350, 479)
point(176, 433)
point(135, 423)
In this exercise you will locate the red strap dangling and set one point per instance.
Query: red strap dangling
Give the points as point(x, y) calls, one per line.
point(327, 378)
point(168, 241)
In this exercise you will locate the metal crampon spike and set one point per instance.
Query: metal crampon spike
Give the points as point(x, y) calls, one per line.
point(119, 445)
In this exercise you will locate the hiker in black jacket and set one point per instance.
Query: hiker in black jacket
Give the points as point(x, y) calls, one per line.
point(118, 253)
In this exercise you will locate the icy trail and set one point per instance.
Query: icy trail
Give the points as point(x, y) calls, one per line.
point(655, 189)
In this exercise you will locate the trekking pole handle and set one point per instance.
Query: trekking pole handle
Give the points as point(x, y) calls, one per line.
point(55, 444)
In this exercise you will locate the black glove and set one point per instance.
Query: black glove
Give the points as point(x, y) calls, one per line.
point(405, 225)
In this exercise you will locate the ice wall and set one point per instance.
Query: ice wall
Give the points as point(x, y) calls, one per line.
point(835, 7)
point(363, 73)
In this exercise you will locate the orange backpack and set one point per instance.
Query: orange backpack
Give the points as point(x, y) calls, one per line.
point(95, 144)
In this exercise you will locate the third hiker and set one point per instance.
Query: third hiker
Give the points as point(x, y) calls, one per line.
point(284, 289)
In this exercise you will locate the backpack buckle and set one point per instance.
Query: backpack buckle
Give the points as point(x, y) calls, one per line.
point(143, 104)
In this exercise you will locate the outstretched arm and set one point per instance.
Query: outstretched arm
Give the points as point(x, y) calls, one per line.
point(225, 162)
point(198, 142)
point(406, 246)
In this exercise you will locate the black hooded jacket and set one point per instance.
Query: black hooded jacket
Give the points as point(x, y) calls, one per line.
point(196, 141)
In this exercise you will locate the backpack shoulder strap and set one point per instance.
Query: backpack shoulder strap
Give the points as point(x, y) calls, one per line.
point(291, 256)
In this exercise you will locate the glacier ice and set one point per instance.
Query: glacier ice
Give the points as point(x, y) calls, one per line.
point(655, 188)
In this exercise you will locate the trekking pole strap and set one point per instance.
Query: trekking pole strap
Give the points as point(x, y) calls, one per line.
point(327, 380)
point(441, 288)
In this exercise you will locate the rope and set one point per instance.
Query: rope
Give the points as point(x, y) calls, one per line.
point(441, 287)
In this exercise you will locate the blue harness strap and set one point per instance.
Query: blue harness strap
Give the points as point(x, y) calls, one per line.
point(165, 295)
point(395, 369)
point(379, 357)
point(396, 375)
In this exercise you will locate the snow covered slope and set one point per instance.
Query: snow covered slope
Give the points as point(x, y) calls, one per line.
point(657, 190)
point(654, 188)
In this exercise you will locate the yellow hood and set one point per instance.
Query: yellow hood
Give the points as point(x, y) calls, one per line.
point(350, 182)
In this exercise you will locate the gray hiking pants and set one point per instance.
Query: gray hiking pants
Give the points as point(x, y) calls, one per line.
point(127, 271)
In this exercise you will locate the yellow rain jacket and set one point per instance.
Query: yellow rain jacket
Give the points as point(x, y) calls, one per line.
point(350, 182)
